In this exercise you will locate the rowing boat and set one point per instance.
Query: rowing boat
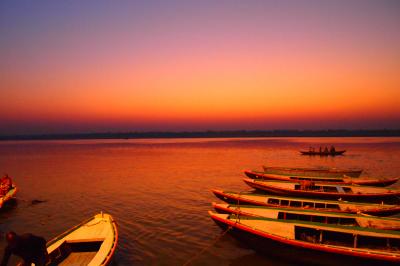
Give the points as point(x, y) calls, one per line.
point(314, 243)
point(321, 172)
point(322, 153)
point(381, 182)
point(91, 242)
point(250, 198)
point(324, 190)
point(350, 219)
point(8, 196)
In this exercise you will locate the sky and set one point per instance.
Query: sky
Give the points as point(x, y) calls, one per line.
point(108, 66)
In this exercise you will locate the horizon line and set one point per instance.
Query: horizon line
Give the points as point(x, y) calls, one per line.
point(208, 134)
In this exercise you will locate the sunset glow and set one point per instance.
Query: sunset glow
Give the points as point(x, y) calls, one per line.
point(184, 65)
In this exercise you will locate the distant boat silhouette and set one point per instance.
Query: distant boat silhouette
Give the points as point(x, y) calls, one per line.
point(323, 153)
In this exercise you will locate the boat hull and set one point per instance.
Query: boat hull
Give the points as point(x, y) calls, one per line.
point(283, 249)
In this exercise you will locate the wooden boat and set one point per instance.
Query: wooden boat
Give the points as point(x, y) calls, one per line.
point(314, 243)
point(324, 190)
point(250, 198)
point(360, 220)
point(323, 153)
point(321, 172)
point(91, 242)
point(381, 182)
point(8, 196)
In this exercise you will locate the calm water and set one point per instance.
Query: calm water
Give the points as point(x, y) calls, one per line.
point(159, 190)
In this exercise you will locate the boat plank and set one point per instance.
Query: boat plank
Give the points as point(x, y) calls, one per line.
point(78, 258)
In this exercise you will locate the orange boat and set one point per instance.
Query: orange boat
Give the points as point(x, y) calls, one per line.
point(379, 182)
point(8, 196)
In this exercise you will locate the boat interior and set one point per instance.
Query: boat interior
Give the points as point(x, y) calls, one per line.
point(343, 239)
point(302, 204)
point(318, 218)
point(320, 179)
point(314, 216)
point(330, 189)
point(75, 252)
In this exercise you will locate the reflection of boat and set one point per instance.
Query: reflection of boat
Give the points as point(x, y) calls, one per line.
point(8, 196)
point(321, 172)
point(322, 153)
point(92, 242)
point(323, 190)
point(314, 243)
point(249, 198)
point(360, 220)
point(381, 182)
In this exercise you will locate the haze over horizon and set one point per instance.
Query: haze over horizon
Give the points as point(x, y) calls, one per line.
point(103, 66)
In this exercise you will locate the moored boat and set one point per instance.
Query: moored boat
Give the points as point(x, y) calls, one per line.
point(349, 219)
point(251, 198)
point(8, 196)
point(323, 153)
point(321, 172)
point(381, 182)
point(324, 190)
point(92, 242)
point(314, 243)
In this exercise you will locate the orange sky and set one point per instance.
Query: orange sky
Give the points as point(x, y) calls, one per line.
point(211, 67)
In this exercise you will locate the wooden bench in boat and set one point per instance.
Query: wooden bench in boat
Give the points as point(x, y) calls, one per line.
point(75, 252)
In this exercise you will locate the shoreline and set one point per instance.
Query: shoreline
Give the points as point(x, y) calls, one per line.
point(207, 134)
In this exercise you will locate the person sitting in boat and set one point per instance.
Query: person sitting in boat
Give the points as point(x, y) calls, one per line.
point(306, 184)
point(5, 184)
point(31, 248)
point(333, 150)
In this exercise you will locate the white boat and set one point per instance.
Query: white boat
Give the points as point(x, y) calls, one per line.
point(91, 242)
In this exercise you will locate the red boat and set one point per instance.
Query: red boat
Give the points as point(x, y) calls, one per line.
point(324, 190)
point(379, 182)
point(8, 196)
point(313, 243)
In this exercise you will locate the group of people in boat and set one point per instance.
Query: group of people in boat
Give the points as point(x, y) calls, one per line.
point(326, 150)
point(5, 184)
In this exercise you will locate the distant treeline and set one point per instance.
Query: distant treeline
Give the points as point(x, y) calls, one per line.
point(211, 134)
